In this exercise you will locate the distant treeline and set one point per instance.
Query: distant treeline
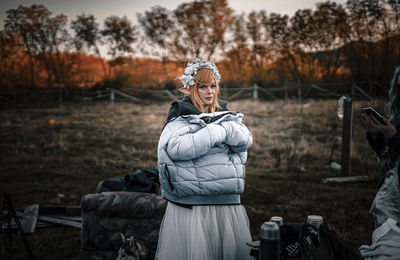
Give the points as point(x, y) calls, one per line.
point(332, 42)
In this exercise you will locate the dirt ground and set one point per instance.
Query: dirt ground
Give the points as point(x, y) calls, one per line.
point(54, 156)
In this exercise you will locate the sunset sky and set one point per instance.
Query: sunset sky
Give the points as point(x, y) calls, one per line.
point(104, 8)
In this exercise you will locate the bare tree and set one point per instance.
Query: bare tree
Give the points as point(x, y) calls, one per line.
point(23, 21)
point(277, 29)
point(201, 28)
point(298, 37)
point(329, 23)
point(260, 52)
point(236, 57)
point(87, 34)
point(11, 56)
point(374, 23)
point(44, 38)
point(314, 40)
point(53, 42)
point(119, 34)
point(221, 18)
point(159, 26)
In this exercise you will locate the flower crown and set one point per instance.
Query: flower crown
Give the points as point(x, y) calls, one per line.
point(191, 69)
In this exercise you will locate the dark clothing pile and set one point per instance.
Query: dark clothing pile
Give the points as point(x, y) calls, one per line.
point(138, 181)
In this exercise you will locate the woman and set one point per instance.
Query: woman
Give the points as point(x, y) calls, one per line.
point(201, 159)
point(384, 138)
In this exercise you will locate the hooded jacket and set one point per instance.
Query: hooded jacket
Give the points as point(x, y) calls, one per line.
point(201, 157)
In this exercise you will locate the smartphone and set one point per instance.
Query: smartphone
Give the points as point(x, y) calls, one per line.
point(371, 112)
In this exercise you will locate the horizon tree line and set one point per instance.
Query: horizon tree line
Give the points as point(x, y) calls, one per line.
point(357, 41)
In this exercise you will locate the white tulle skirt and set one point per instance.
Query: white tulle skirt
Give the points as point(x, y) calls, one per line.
point(204, 232)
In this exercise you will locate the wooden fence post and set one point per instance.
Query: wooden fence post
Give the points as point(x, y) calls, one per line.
point(112, 96)
point(286, 90)
point(346, 134)
point(255, 92)
point(299, 89)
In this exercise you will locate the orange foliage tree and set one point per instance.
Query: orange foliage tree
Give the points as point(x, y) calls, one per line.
point(356, 41)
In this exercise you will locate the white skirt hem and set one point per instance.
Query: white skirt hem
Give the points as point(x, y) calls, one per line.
point(204, 232)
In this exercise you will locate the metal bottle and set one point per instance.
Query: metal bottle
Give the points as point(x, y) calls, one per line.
point(315, 221)
point(269, 241)
point(278, 220)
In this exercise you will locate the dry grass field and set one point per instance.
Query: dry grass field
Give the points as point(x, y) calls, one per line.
point(68, 149)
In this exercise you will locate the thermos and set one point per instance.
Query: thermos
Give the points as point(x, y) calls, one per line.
point(269, 241)
point(278, 220)
point(315, 221)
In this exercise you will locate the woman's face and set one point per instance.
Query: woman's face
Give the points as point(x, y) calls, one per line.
point(206, 93)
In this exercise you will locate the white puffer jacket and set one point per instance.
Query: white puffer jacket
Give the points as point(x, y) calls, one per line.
point(201, 158)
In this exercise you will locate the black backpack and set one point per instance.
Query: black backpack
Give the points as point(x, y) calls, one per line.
point(138, 181)
point(301, 241)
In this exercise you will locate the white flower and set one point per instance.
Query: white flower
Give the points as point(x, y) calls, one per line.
point(191, 69)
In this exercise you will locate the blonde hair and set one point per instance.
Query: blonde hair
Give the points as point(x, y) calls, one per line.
point(204, 76)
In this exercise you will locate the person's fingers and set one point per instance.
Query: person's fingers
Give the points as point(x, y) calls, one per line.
point(375, 121)
point(368, 122)
point(387, 122)
point(364, 118)
point(369, 118)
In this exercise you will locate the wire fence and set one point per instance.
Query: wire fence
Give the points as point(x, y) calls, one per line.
point(29, 98)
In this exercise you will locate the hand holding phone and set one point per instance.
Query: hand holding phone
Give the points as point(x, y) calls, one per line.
point(386, 128)
point(371, 112)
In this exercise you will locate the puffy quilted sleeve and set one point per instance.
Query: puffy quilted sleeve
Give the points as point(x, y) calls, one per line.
point(184, 145)
point(238, 137)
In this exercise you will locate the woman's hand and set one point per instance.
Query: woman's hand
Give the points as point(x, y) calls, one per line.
point(371, 128)
point(375, 127)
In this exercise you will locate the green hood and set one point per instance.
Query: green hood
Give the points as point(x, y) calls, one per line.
point(186, 107)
